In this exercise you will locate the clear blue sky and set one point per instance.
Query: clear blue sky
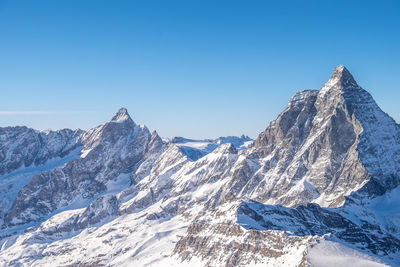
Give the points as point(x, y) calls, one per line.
point(198, 69)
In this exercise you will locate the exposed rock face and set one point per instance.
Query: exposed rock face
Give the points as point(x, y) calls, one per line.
point(23, 147)
point(326, 168)
point(216, 238)
point(324, 146)
point(97, 211)
point(110, 150)
point(313, 220)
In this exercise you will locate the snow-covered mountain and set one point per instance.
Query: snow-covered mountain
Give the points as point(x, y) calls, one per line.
point(320, 186)
point(196, 149)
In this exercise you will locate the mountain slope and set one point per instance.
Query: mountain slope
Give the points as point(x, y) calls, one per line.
point(326, 148)
point(324, 174)
point(326, 145)
point(107, 153)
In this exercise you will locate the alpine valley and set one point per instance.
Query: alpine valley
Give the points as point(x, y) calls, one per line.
point(318, 187)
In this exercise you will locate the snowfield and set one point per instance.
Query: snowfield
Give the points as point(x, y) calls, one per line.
point(332, 254)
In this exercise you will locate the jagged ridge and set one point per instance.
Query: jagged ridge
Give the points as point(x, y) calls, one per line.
point(142, 196)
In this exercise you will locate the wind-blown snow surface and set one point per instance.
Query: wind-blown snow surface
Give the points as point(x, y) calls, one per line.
point(332, 254)
point(129, 240)
point(316, 183)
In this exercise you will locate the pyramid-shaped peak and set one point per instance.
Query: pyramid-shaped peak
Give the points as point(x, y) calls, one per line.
point(122, 115)
point(342, 75)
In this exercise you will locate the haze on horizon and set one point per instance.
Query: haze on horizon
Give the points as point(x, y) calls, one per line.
point(198, 69)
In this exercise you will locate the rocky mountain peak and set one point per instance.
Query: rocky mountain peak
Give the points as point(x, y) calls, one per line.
point(341, 80)
point(155, 140)
point(122, 115)
point(339, 130)
point(343, 75)
point(326, 170)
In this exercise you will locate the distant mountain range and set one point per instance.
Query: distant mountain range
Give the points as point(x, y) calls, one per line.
point(318, 187)
point(195, 149)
